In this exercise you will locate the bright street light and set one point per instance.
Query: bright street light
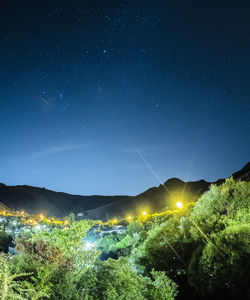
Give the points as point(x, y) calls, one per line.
point(179, 204)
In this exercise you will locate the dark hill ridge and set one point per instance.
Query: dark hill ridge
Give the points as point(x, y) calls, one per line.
point(157, 198)
point(243, 174)
point(39, 200)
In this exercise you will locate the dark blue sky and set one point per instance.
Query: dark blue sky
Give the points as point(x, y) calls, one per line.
point(111, 97)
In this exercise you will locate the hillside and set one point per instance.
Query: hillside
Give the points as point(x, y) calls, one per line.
point(40, 200)
point(157, 198)
point(3, 207)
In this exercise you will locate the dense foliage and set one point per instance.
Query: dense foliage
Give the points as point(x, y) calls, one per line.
point(203, 249)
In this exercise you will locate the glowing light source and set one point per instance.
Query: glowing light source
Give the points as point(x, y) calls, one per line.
point(88, 246)
point(129, 218)
point(144, 213)
point(179, 204)
point(115, 220)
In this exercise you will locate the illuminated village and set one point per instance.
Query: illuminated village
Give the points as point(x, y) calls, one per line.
point(17, 222)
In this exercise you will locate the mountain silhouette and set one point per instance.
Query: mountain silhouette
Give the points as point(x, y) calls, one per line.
point(36, 200)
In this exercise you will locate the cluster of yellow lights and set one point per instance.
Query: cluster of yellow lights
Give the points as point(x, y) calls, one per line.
point(179, 205)
point(33, 220)
point(12, 213)
point(6, 213)
point(130, 218)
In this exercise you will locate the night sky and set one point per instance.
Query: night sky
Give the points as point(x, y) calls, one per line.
point(114, 97)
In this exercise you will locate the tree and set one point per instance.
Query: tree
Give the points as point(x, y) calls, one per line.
point(13, 286)
point(164, 249)
point(72, 218)
point(224, 261)
point(134, 227)
point(117, 279)
point(220, 222)
point(161, 287)
point(216, 206)
point(54, 257)
point(70, 241)
point(5, 241)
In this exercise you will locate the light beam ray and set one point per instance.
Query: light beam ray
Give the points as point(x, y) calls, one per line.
point(151, 169)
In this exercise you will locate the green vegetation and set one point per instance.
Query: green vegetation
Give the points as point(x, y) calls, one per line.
point(202, 251)
point(5, 241)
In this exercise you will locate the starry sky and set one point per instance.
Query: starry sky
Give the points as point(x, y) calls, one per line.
point(114, 97)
